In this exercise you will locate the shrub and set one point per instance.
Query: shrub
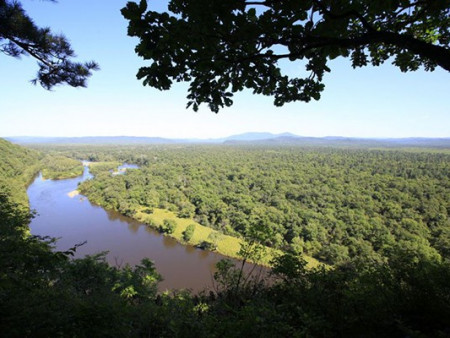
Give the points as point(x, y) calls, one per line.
point(189, 232)
point(148, 211)
point(168, 226)
point(206, 245)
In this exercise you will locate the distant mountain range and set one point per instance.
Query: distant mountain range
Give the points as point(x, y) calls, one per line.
point(245, 138)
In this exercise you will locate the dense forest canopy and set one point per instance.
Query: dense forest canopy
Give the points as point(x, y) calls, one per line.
point(333, 204)
point(221, 47)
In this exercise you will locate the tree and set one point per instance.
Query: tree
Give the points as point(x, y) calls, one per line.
point(189, 232)
point(168, 226)
point(20, 36)
point(222, 47)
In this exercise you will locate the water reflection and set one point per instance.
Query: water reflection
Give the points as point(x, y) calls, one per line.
point(189, 249)
point(134, 227)
point(169, 242)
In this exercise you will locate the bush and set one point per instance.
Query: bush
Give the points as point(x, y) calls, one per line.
point(214, 237)
point(212, 242)
point(206, 245)
point(189, 232)
point(150, 222)
point(148, 211)
point(168, 226)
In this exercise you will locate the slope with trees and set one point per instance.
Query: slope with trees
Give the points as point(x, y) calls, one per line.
point(18, 166)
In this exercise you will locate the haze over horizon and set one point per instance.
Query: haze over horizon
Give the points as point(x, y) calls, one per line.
point(288, 134)
point(371, 102)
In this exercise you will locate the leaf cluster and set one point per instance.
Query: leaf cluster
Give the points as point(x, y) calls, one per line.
point(223, 47)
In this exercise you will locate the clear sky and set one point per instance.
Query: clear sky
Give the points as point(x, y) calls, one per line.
point(366, 102)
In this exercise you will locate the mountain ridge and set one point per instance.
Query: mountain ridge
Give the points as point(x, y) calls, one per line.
point(243, 138)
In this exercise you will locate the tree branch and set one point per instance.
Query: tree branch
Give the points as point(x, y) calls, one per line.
point(439, 55)
point(29, 49)
point(256, 3)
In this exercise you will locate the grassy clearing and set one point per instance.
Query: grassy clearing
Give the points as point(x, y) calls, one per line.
point(226, 245)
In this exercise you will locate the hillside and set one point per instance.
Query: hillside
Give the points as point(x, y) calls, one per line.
point(18, 165)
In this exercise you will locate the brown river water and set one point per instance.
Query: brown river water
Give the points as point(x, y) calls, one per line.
point(74, 220)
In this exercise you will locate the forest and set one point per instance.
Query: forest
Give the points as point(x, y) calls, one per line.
point(332, 204)
point(356, 239)
point(377, 219)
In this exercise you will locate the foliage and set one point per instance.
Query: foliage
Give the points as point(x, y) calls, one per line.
point(20, 36)
point(168, 226)
point(61, 167)
point(375, 299)
point(333, 204)
point(207, 245)
point(225, 244)
point(189, 232)
point(220, 47)
point(103, 166)
point(45, 293)
point(18, 166)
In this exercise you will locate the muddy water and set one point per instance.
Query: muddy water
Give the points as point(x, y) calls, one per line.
point(74, 220)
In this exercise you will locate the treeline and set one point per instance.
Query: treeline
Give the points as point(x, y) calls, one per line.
point(46, 293)
point(335, 205)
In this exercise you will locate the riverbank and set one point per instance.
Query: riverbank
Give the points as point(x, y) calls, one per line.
point(224, 244)
point(202, 237)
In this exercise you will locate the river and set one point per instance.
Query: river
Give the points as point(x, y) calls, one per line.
point(74, 220)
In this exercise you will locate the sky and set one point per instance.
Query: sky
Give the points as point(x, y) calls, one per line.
point(365, 102)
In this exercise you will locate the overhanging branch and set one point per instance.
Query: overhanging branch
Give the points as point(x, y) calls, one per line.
point(437, 54)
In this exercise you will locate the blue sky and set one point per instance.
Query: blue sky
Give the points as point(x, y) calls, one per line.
point(366, 102)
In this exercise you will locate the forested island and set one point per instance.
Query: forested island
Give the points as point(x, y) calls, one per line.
point(375, 222)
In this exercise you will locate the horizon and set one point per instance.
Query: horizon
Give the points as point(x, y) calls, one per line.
point(369, 102)
point(282, 134)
